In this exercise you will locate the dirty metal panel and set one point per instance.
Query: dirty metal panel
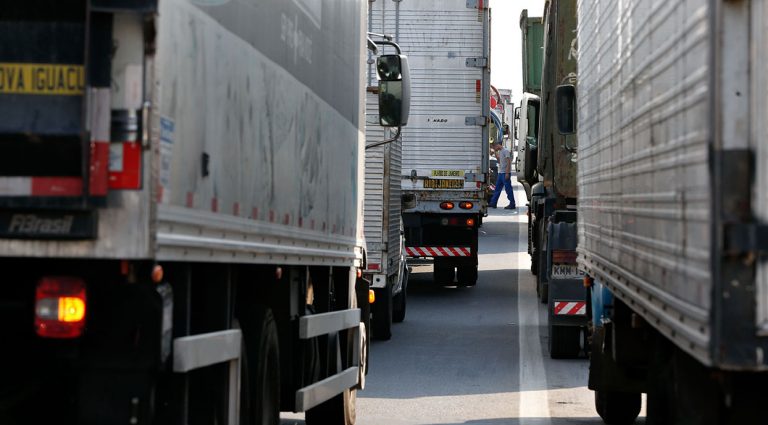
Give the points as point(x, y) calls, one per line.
point(643, 171)
point(260, 119)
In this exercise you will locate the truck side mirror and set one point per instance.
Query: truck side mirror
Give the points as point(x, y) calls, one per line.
point(565, 101)
point(394, 90)
point(516, 122)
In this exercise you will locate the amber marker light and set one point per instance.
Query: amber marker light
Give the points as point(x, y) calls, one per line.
point(371, 296)
point(157, 274)
point(71, 309)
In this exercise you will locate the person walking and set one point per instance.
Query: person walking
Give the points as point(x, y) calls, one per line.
point(505, 177)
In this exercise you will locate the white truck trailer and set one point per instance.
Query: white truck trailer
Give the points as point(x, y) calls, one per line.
point(673, 184)
point(181, 211)
point(445, 146)
point(385, 266)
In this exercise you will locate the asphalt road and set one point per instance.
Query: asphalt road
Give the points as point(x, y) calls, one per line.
point(475, 355)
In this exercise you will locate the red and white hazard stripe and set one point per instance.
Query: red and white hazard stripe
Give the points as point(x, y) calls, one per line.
point(438, 251)
point(570, 308)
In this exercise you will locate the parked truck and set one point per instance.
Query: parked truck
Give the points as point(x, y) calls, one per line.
point(526, 114)
point(445, 154)
point(672, 131)
point(181, 211)
point(386, 268)
point(549, 159)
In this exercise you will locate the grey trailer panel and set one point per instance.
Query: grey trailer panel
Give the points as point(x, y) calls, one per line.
point(374, 206)
point(644, 195)
point(759, 138)
point(382, 206)
point(251, 132)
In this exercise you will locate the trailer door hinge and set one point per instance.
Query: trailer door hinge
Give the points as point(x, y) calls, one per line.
point(477, 62)
point(481, 121)
point(477, 4)
point(741, 238)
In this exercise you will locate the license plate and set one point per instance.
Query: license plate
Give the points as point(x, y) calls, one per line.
point(566, 271)
point(443, 184)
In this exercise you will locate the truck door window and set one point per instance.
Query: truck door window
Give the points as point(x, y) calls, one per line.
point(532, 136)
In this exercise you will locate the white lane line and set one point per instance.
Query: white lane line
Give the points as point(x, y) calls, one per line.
point(534, 398)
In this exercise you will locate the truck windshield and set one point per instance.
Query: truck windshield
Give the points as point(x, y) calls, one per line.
point(532, 136)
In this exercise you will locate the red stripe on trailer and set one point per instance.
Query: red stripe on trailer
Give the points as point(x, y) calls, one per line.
point(56, 186)
point(214, 204)
point(100, 113)
point(98, 178)
point(437, 251)
point(570, 308)
point(236, 208)
point(190, 200)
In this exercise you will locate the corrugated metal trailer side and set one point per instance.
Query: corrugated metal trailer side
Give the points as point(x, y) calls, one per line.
point(439, 37)
point(670, 111)
point(376, 202)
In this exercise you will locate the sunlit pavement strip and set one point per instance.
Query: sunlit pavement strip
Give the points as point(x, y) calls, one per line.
point(534, 401)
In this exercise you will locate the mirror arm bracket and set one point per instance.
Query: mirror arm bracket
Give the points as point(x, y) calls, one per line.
point(384, 142)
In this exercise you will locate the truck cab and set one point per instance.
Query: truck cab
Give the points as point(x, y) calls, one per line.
point(527, 135)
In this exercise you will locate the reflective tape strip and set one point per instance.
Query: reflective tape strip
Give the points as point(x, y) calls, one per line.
point(570, 308)
point(41, 186)
point(438, 251)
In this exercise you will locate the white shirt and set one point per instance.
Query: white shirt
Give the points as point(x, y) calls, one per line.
point(504, 161)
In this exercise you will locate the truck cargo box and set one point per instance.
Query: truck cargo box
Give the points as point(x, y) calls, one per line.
point(672, 169)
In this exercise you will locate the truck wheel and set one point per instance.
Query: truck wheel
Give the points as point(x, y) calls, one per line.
point(340, 410)
point(381, 322)
point(532, 247)
point(400, 300)
point(617, 408)
point(260, 397)
point(467, 275)
point(564, 341)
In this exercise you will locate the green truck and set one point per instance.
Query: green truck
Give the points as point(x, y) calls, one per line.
point(549, 161)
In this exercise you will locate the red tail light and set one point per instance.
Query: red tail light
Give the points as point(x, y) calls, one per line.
point(60, 307)
point(563, 257)
point(447, 205)
point(465, 205)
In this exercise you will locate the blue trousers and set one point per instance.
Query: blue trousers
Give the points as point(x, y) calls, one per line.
point(502, 181)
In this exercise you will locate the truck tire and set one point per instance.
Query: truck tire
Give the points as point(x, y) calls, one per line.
point(564, 341)
point(340, 410)
point(542, 286)
point(400, 300)
point(381, 323)
point(532, 247)
point(260, 397)
point(617, 408)
point(466, 275)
